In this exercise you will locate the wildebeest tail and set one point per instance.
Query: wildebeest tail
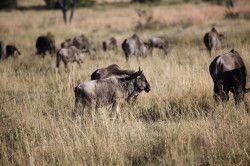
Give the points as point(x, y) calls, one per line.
point(76, 92)
point(58, 59)
point(104, 46)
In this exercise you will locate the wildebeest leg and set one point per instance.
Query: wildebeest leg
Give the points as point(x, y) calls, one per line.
point(65, 64)
point(210, 52)
point(43, 54)
point(79, 107)
point(246, 105)
point(126, 58)
point(81, 61)
point(79, 64)
point(115, 110)
point(51, 52)
point(220, 94)
point(132, 98)
point(217, 92)
point(166, 50)
point(238, 95)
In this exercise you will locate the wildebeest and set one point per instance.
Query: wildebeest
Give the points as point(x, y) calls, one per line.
point(108, 71)
point(228, 72)
point(71, 54)
point(80, 42)
point(113, 70)
point(212, 40)
point(11, 50)
point(109, 91)
point(44, 44)
point(109, 44)
point(160, 42)
point(8, 51)
point(134, 46)
point(67, 43)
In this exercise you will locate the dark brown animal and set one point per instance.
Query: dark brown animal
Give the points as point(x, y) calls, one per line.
point(69, 55)
point(212, 40)
point(109, 91)
point(134, 46)
point(228, 72)
point(109, 44)
point(45, 44)
point(160, 42)
point(11, 50)
point(7, 51)
point(109, 71)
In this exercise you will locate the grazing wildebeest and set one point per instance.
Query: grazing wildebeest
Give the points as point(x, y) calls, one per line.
point(108, 71)
point(109, 44)
point(80, 42)
point(71, 54)
point(109, 91)
point(11, 50)
point(228, 72)
point(8, 51)
point(212, 40)
point(134, 46)
point(160, 42)
point(44, 44)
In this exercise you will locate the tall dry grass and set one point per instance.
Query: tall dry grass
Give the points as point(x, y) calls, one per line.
point(177, 123)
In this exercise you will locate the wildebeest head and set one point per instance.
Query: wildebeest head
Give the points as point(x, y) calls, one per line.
point(140, 81)
point(214, 30)
point(147, 44)
point(220, 35)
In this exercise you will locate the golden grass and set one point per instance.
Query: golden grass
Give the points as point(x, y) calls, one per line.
point(177, 123)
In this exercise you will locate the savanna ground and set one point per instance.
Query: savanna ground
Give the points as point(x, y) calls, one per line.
point(177, 123)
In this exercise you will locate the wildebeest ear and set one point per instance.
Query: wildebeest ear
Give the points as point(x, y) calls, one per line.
point(221, 35)
point(213, 29)
point(232, 51)
point(140, 69)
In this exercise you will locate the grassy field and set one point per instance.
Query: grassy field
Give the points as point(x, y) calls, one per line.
point(177, 123)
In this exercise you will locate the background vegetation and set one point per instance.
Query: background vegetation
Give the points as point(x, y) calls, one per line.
point(177, 123)
point(8, 4)
point(52, 4)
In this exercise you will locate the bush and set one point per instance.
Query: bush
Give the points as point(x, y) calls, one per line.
point(229, 3)
point(8, 4)
point(53, 4)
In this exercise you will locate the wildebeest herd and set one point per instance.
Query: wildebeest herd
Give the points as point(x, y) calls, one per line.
point(111, 85)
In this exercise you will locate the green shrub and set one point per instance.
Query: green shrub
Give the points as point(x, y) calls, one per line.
point(8, 4)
